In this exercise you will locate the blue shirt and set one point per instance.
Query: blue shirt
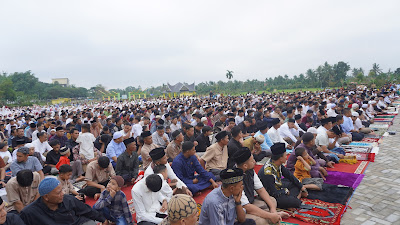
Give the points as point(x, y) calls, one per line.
point(218, 209)
point(347, 125)
point(267, 141)
point(32, 163)
point(114, 149)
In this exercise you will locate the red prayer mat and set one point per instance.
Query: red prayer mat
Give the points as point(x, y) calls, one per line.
point(321, 213)
point(358, 168)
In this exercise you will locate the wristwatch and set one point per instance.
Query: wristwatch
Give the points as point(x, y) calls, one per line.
point(238, 203)
point(286, 191)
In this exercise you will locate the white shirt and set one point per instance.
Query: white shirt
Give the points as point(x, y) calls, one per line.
point(257, 185)
point(322, 138)
point(239, 119)
point(166, 190)
point(358, 124)
point(137, 130)
point(285, 131)
point(6, 153)
point(331, 113)
point(170, 171)
point(175, 127)
point(275, 137)
point(42, 147)
point(85, 141)
point(381, 104)
point(146, 202)
point(34, 135)
point(69, 120)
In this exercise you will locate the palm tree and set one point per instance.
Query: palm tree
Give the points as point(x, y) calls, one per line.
point(229, 74)
point(376, 70)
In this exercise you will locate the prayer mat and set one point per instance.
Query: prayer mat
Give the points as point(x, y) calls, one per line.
point(355, 168)
point(332, 194)
point(361, 152)
point(341, 178)
point(370, 140)
point(321, 213)
point(373, 136)
point(379, 126)
point(354, 143)
point(199, 197)
point(384, 116)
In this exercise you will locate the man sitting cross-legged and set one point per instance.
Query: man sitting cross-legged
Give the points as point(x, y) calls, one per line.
point(287, 194)
point(256, 207)
point(186, 164)
point(158, 157)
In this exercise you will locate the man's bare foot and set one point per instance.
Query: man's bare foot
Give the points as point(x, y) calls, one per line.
point(284, 215)
point(96, 196)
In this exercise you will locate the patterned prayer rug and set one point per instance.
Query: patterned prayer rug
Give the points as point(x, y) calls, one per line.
point(321, 212)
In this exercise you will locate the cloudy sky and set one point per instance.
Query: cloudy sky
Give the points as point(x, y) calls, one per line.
point(147, 43)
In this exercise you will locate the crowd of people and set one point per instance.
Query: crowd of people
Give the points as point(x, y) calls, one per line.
point(183, 146)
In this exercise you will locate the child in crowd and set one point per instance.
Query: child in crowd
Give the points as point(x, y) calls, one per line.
point(77, 171)
point(85, 140)
point(113, 204)
point(5, 155)
point(65, 172)
point(302, 170)
point(52, 158)
point(161, 170)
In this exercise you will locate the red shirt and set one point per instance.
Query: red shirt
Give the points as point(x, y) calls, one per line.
point(63, 160)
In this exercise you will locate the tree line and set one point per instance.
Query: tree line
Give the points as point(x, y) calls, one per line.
point(24, 88)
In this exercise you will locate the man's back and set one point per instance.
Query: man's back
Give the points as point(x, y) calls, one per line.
point(70, 211)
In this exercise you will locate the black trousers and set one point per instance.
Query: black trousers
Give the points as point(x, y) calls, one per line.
point(291, 200)
point(260, 156)
point(357, 136)
point(91, 191)
point(146, 223)
point(247, 222)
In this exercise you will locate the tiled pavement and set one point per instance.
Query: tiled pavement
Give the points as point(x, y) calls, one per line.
point(377, 199)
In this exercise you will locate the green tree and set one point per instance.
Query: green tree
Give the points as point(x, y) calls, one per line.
point(7, 91)
point(340, 73)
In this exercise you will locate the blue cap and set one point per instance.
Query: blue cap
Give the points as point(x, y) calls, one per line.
point(47, 185)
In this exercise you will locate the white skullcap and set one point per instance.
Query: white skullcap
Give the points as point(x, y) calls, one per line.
point(355, 114)
point(29, 145)
point(365, 106)
point(260, 138)
point(312, 130)
point(355, 105)
point(203, 119)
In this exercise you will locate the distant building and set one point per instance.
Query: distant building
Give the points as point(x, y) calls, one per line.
point(180, 90)
point(61, 81)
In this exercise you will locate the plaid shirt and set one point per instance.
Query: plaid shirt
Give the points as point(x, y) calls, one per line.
point(118, 205)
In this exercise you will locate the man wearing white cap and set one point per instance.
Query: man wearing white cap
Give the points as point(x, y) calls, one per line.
point(331, 110)
point(358, 124)
point(115, 148)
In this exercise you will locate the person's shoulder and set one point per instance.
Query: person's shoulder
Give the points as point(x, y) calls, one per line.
point(267, 169)
point(13, 218)
point(33, 158)
point(92, 164)
point(32, 207)
point(213, 197)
